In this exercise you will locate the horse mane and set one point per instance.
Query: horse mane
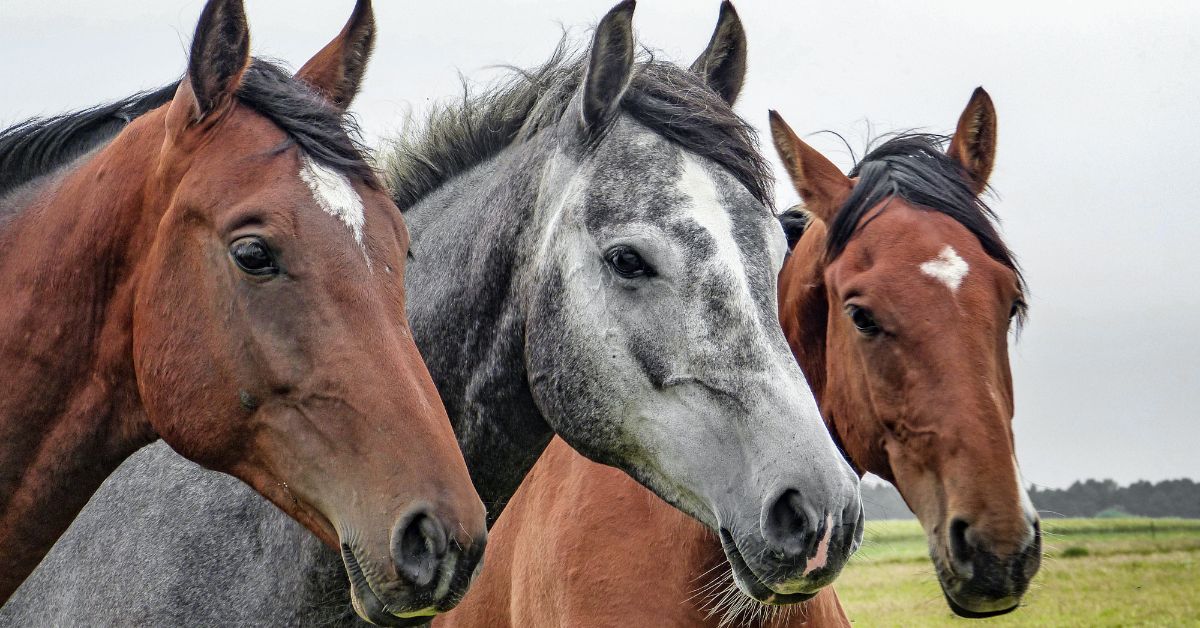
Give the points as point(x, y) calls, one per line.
point(666, 98)
point(916, 168)
point(40, 146)
point(326, 134)
point(794, 221)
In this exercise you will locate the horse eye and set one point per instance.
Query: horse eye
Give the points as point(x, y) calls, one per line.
point(863, 320)
point(253, 256)
point(1017, 307)
point(627, 263)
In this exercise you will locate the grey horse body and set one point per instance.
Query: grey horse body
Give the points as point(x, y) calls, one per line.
point(166, 542)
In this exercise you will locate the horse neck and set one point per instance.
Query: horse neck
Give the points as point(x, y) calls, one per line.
point(467, 311)
point(70, 411)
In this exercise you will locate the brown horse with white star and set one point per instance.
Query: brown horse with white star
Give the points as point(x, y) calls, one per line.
point(226, 273)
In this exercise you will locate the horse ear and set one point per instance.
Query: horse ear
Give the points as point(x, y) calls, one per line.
point(974, 143)
point(723, 64)
point(220, 55)
point(610, 67)
point(820, 184)
point(337, 70)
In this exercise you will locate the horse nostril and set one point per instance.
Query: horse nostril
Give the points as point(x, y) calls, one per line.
point(960, 548)
point(788, 526)
point(418, 546)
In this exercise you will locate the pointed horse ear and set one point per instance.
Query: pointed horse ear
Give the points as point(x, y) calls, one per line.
point(336, 72)
point(723, 64)
point(820, 184)
point(219, 57)
point(610, 67)
point(974, 143)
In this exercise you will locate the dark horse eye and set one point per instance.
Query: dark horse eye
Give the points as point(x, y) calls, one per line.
point(863, 321)
point(253, 256)
point(1017, 307)
point(627, 263)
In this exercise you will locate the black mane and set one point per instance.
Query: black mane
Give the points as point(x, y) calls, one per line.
point(669, 100)
point(794, 221)
point(914, 167)
point(39, 146)
point(324, 133)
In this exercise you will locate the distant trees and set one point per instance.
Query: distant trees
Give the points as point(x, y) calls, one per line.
point(1088, 498)
point(881, 501)
point(1170, 498)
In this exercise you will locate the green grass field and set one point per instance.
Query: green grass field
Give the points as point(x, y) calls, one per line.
point(1096, 572)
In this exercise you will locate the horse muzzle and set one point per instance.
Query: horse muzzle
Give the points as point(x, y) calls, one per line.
point(978, 583)
point(430, 572)
point(799, 551)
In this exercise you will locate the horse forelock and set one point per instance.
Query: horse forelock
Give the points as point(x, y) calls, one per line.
point(915, 168)
point(37, 147)
point(670, 100)
point(326, 135)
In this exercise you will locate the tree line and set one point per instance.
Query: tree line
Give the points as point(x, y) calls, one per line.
point(1087, 498)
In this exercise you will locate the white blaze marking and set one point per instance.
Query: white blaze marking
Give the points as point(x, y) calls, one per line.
point(947, 267)
point(1026, 504)
point(710, 214)
point(334, 193)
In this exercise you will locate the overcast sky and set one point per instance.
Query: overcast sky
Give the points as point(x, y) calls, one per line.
point(1098, 170)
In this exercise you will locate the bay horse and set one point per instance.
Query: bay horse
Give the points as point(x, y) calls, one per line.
point(593, 257)
point(225, 272)
point(897, 301)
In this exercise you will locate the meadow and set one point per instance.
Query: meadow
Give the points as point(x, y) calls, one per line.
point(1096, 572)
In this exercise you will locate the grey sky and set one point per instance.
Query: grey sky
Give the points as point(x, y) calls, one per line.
point(1098, 170)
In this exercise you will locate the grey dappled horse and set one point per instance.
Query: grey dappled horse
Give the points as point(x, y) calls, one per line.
point(592, 257)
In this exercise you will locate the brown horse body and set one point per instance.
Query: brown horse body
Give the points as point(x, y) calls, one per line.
point(899, 315)
point(226, 274)
point(587, 546)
